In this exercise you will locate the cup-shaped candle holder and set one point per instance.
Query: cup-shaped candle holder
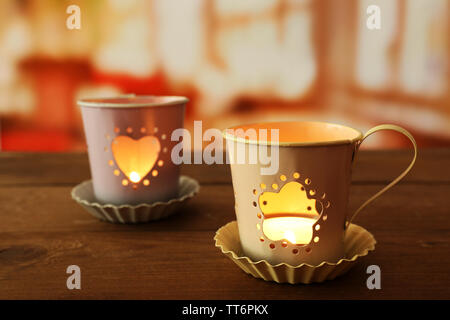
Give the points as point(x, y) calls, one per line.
point(129, 147)
point(297, 214)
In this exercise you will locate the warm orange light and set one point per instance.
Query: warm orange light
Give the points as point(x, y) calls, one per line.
point(135, 177)
point(288, 214)
point(296, 230)
point(135, 158)
point(296, 132)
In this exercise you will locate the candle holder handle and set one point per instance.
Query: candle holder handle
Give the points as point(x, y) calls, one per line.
point(396, 180)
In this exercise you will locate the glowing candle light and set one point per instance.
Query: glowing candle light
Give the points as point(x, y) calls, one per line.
point(289, 236)
point(289, 214)
point(296, 230)
point(134, 177)
point(136, 158)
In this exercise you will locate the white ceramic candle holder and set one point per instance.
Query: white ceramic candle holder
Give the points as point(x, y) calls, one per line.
point(299, 214)
point(129, 147)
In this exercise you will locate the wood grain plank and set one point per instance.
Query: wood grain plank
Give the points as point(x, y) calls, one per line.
point(49, 209)
point(42, 231)
point(176, 258)
point(72, 168)
point(185, 265)
point(405, 208)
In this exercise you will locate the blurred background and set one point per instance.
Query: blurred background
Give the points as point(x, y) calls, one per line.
point(238, 61)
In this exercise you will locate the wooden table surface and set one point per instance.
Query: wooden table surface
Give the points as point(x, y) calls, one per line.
point(42, 231)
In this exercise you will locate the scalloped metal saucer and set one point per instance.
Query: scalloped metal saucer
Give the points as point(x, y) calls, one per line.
point(83, 194)
point(358, 242)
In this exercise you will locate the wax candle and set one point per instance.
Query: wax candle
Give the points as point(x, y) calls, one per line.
point(296, 230)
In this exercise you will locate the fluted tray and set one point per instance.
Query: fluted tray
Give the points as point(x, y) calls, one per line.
point(358, 242)
point(83, 194)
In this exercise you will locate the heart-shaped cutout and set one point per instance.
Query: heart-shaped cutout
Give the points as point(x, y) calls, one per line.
point(135, 158)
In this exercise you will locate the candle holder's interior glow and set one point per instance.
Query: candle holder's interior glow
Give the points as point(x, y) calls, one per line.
point(290, 236)
point(134, 177)
point(135, 158)
point(295, 132)
point(293, 229)
point(289, 214)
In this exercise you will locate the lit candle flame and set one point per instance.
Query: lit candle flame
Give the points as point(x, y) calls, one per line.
point(135, 177)
point(289, 236)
